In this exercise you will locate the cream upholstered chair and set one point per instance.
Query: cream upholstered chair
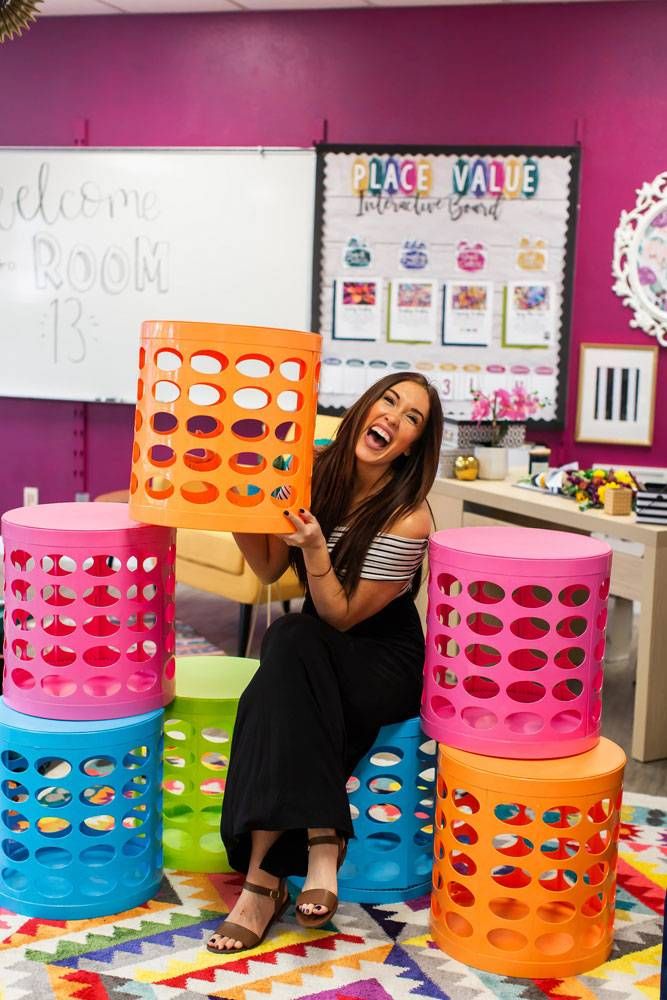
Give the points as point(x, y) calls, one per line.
point(212, 561)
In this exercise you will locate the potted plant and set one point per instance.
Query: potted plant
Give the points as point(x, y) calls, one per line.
point(498, 410)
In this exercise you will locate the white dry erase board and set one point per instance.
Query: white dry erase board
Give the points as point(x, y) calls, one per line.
point(93, 242)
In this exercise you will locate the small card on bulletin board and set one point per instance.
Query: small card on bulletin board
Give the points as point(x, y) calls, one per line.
point(529, 318)
point(467, 314)
point(357, 309)
point(412, 311)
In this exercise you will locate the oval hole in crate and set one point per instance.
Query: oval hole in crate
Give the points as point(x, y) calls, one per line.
point(567, 721)
point(289, 401)
point(203, 426)
point(58, 596)
point(561, 817)
point(508, 908)
point(560, 848)
point(135, 787)
point(598, 652)
point(386, 757)
point(98, 795)
point(14, 791)
point(22, 591)
point(58, 625)
point(22, 679)
point(465, 801)
point(384, 784)
point(447, 615)
point(352, 785)
point(137, 845)
point(101, 656)
point(163, 422)
point(142, 622)
point(101, 565)
point(57, 686)
point(293, 369)
point(464, 832)
point(53, 826)
point(161, 455)
point(531, 595)
point(462, 863)
point(101, 686)
point(22, 560)
point(58, 565)
point(449, 585)
point(14, 762)
point(568, 690)
point(354, 812)
point(528, 659)
point(165, 391)
point(558, 879)
point(245, 495)
point(15, 821)
point(58, 656)
point(600, 811)
point(554, 943)
point(526, 692)
point(25, 621)
point(442, 707)
point(288, 431)
point(141, 652)
point(53, 796)
point(510, 876)
point(483, 623)
point(506, 939)
point(208, 362)
point(212, 786)
point(24, 650)
point(570, 658)
point(384, 812)
point(604, 588)
point(177, 729)
point(205, 394)
point(159, 487)
point(527, 723)
point(97, 826)
point(199, 492)
point(482, 655)
point(53, 857)
point(214, 735)
point(601, 619)
point(486, 592)
point(247, 462)
point(530, 628)
point(14, 879)
point(460, 894)
point(557, 911)
point(514, 813)
point(286, 463)
point(445, 677)
point(478, 686)
point(254, 365)
point(575, 595)
point(572, 627)
point(168, 360)
point(98, 767)
point(214, 761)
point(446, 646)
point(251, 398)
point(511, 845)
point(138, 421)
point(135, 818)
point(594, 905)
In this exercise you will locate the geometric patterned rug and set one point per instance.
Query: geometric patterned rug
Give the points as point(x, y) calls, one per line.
point(368, 952)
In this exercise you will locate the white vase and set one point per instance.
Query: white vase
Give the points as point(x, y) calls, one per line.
point(492, 462)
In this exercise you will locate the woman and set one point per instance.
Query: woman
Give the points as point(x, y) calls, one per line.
point(331, 677)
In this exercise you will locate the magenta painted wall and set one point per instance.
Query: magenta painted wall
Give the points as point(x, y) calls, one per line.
point(497, 74)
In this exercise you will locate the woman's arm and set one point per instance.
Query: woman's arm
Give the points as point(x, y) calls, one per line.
point(326, 590)
point(267, 555)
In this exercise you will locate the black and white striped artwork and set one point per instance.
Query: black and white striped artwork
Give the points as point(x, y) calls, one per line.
point(616, 394)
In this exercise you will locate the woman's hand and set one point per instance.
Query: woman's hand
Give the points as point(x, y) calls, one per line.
point(307, 534)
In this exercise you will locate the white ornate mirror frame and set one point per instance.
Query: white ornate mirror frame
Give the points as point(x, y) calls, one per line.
point(640, 259)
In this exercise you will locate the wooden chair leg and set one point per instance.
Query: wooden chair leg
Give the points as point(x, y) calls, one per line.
point(245, 617)
point(286, 606)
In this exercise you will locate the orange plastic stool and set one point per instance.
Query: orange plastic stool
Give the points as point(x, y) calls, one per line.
point(524, 875)
point(224, 425)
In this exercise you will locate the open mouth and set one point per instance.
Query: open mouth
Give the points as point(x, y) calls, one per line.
point(377, 437)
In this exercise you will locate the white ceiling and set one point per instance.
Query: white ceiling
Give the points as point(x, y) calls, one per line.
point(68, 8)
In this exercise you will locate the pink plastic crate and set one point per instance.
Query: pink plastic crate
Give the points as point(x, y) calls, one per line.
point(89, 612)
point(515, 641)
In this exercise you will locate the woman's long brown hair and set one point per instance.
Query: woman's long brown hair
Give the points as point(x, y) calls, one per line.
point(402, 493)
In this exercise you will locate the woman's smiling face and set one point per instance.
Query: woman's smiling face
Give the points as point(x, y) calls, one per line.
point(393, 423)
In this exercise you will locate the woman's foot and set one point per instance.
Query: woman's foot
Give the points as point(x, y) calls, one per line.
point(254, 911)
point(324, 861)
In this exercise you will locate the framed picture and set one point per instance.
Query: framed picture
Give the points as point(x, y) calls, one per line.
point(616, 400)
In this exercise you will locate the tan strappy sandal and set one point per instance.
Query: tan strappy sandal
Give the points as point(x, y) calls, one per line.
point(248, 938)
point(320, 897)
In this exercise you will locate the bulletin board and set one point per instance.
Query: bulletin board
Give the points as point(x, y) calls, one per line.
point(455, 261)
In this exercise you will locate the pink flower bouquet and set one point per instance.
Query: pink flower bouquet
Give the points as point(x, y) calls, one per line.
point(502, 407)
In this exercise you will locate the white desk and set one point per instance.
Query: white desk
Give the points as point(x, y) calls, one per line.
point(636, 577)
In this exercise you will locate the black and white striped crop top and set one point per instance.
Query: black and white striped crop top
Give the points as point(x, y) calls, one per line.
point(389, 557)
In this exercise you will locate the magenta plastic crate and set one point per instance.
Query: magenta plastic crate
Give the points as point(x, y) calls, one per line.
point(515, 641)
point(89, 612)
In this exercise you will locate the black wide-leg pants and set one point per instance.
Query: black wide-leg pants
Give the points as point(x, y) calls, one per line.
point(310, 713)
